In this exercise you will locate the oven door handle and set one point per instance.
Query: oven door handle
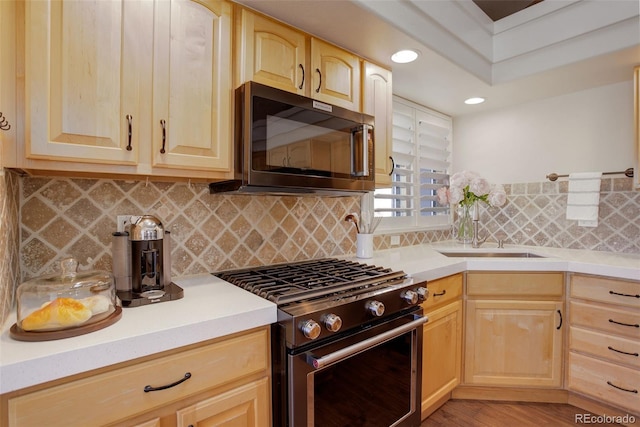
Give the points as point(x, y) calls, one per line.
point(321, 362)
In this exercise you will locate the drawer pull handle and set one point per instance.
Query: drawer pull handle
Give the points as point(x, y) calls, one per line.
point(439, 294)
point(624, 295)
point(621, 388)
point(623, 352)
point(624, 324)
point(149, 388)
point(560, 325)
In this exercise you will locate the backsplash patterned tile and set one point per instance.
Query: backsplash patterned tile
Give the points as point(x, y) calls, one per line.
point(535, 215)
point(9, 241)
point(51, 218)
point(76, 217)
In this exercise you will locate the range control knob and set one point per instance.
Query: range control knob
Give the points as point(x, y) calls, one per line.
point(410, 296)
point(423, 293)
point(376, 308)
point(332, 322)
point(310, 329)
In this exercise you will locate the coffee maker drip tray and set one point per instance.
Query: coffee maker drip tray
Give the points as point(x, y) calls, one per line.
point(169, 293)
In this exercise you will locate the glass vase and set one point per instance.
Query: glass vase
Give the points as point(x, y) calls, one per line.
point(464, 223)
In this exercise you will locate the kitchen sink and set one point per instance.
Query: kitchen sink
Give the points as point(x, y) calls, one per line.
point(492, 254)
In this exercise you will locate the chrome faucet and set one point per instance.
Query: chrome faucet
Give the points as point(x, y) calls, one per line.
point(476, 241)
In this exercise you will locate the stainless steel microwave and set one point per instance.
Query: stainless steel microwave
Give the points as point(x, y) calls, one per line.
point(287, 143)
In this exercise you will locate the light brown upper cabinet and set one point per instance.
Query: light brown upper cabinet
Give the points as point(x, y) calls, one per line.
point(274, 54)
point(8, 115)
point(140, 88)
point(192, 85)
point(377, 100)
point(636, 122)
point(335, 75)
point(270, 53)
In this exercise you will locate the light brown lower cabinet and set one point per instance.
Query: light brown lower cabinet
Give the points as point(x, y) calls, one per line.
point(604, 341)
point(442, 342)
point(226, 383)
point(241, 406)
point(515, 326)
point(514, 329)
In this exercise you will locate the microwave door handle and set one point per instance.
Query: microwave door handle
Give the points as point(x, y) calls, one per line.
point(360, 169)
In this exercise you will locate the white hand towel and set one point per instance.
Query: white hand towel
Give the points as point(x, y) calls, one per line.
point(582, 213)
point(583, 199)
point(579, 199)
point(582, 185)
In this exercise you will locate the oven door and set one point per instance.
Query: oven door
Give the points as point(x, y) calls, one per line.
point(370, 378)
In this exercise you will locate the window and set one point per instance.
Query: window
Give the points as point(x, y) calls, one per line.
point(421, 154)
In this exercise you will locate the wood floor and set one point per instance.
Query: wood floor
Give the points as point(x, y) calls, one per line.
point(466, 413)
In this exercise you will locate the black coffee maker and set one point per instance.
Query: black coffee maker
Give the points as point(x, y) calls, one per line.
point(142, 262)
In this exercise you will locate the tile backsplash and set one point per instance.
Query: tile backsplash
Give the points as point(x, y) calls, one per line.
point(9, 240)
point(76, 217)
point(535, 215)
point(46, 219)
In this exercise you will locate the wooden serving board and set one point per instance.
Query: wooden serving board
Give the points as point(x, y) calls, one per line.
point(18, 334)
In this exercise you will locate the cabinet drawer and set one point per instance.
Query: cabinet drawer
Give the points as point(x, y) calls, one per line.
point(612, 383)
point(442, 291)
point(619, 292)
point(619, 321)
point(610, 347)
point(519, 285)
point(119, 394)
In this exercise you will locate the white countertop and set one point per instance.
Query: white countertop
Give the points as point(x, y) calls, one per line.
point(425, 262)
point(213, 308)
point(210, 308)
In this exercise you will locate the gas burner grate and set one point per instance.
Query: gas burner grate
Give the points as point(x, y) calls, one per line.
point(285, 283)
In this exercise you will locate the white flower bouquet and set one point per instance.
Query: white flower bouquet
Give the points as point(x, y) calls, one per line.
point(468, 187)
point(465, 189)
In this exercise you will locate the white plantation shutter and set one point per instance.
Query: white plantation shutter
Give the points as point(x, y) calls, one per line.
point(422, 154)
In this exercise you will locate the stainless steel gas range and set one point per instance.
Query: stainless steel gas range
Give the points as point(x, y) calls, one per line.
point(347, 347)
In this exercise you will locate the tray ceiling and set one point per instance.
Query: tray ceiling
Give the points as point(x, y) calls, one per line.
point(498, 9)
point(546, 49)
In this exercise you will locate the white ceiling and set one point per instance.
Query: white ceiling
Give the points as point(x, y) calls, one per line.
point(552, 48)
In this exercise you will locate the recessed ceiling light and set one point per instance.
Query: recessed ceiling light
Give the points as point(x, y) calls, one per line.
point(404, 56)
point(473, 101)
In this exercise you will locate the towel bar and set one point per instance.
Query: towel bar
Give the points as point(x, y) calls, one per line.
point(628, 173)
